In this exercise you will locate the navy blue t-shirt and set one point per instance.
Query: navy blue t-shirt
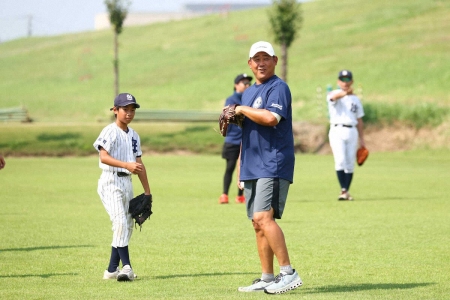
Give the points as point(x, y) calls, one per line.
point(268, 151)
point(234, 132)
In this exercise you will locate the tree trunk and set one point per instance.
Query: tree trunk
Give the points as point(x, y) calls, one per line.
point(116, 64)
point(284, 58)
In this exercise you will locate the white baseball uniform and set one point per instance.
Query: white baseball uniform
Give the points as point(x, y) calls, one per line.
point(115, 186)
point(344, 113)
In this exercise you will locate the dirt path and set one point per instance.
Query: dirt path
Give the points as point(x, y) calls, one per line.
point(313, 138)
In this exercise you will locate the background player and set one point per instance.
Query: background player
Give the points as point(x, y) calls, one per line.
point(119, 148)
point(232, 145)
point(346, 125)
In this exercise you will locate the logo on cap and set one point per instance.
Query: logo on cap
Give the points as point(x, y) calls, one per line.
point(129, 97)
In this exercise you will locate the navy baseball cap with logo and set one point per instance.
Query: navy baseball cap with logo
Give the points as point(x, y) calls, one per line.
point(241, 77)
point(125, 99)
point(345, 74)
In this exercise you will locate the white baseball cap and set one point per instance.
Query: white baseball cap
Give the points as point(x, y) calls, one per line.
point(261, 47)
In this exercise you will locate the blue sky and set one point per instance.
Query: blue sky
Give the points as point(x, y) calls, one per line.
point(52, 17)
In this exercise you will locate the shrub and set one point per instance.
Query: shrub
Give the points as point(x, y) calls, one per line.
point(418, 116)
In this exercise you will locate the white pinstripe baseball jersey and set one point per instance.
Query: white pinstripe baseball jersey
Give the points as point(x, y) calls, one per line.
point(121, 145)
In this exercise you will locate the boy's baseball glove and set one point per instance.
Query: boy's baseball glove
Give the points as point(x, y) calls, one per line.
point(141, 208)
point(228, 116)
point(361, 155)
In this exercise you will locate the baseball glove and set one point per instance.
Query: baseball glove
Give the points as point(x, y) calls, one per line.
point(140, 208)
point(228, 116)
point(361, 155)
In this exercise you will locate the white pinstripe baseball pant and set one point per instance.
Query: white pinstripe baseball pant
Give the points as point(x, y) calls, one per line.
point(116, 193)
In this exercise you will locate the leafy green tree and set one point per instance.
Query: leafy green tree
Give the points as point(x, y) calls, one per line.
point(118, 11)
point(286, 20)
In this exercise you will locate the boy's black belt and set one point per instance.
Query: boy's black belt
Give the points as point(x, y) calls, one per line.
point(122, 174)
point(343, 125)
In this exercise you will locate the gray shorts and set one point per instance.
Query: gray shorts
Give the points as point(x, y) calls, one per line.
point(263, 193)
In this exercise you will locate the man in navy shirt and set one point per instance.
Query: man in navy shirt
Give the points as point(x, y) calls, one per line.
point(232, 145)
point(267, 167)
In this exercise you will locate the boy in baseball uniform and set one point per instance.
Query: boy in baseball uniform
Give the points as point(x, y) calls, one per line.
point(119, 148)
point(346, 127)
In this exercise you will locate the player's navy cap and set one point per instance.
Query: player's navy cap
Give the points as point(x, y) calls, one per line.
point(261, 47)
point(125, 99)
point(346, 74)
point(242, 76)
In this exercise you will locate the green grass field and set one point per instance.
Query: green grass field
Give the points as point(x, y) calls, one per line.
point(391, 243)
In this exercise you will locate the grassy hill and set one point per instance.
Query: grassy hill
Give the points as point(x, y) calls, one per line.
point(398, 50)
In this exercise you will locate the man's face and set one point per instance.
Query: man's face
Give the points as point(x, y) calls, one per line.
point(263, 66)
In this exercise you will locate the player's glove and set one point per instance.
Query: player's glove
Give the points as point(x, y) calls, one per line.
point(361, 155)
point(228, 116)
point(140, 208)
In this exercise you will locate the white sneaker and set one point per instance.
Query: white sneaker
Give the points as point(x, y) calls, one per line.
point(345, 196)
point(258, 285)
point(284, 283)
point(126, 274)
point(113, 275)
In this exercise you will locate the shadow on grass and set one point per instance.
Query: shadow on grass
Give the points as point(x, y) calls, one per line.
point(394, 198)
point(364, 199)
point(202, 275)
point(364, 287)
point(44, 248)
point(41, 275)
